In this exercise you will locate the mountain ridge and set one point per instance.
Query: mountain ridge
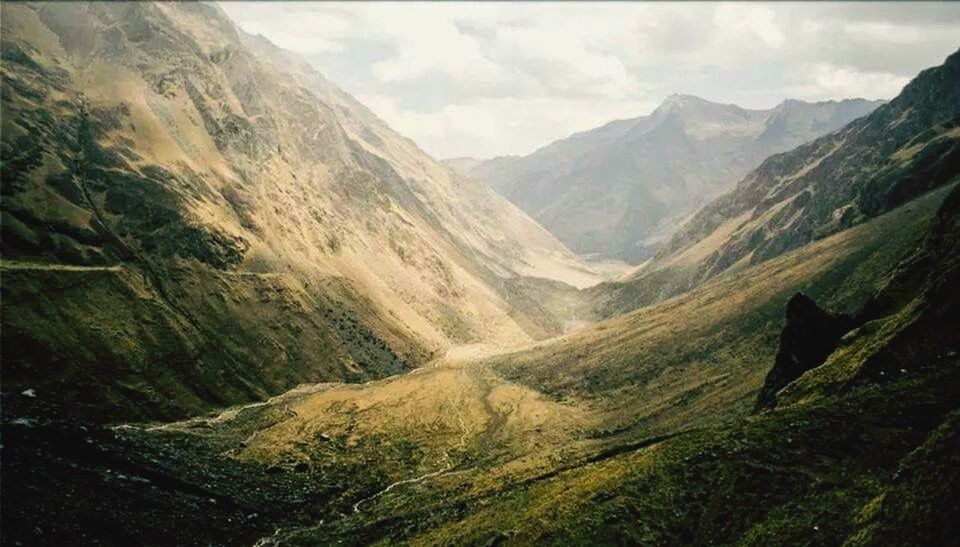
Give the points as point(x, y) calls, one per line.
point(238, 308)
point(619, 190)
point(901, 150)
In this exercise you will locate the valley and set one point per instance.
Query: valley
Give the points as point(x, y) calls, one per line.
point(484, 425)
point(239, 308)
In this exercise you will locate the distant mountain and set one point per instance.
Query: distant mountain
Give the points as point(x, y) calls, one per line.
point(619, 191)
point(900, 151)
point(463, 164)
point(194, 217)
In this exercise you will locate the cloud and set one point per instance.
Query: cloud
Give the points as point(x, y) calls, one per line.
point(750, 18)
point(484, 79)
point(831, 81)
point(502, 125)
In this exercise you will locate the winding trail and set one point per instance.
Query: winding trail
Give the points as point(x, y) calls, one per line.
point(460, 357)
point(437, 473)
point(45, 266)
point(230, 413)
point(448, 467)
point(473, 404)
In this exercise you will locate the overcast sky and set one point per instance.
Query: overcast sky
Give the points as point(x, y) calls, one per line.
point(471, 79)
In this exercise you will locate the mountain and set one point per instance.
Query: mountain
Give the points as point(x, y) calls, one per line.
point(619, 191)
point(860, 450)
point(901, 150)
point(462, 165)
point(239, 309)
point(513, 245)
point(187, 225)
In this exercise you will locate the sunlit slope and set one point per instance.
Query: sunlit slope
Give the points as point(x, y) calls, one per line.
point(476, 220)
point(149, 137)
point(861, 450)
point(701, 470)
point(543, 442)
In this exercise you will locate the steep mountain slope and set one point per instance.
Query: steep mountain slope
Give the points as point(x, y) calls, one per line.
point(255, 233)
point(144, 282)
point(705, 352)
point(480, 224)
point(619, 190)
point(462, 165)
point(903, 149)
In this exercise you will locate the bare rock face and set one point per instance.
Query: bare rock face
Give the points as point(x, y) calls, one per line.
point(811, 334)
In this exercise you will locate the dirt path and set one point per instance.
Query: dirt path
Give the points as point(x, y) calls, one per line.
point(229, 414)
point(455, 357)
point(18, 265)
point(448, 466)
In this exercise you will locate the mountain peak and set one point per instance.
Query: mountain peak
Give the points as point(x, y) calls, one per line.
point(676, 101)
point(694, 109)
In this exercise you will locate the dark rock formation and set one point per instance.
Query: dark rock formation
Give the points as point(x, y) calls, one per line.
point(811, 334)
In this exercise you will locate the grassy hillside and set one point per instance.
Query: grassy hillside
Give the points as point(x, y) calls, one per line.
point(698, 355)
point(863, 459)
point(240, 309)
point(105, 344)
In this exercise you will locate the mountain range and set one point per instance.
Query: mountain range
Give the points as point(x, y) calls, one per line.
point(238, 308)
point(619, 191)
point(901, 150)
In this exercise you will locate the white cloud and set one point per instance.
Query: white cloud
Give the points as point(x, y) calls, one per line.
point(310, 31)
point(749, 17)
point(500, 126)
point(837, 82)
point(471, 78)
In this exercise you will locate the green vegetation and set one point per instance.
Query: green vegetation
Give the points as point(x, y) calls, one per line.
point(239, 309)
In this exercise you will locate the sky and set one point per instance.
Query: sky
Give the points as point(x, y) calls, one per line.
point(497, 78)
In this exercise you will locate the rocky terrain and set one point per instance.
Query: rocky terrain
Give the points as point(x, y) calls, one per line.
point(621, 190)
point(810, 335)
point(239, 309)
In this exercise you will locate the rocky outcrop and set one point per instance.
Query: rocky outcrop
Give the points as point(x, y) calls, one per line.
point(810, 335)
point(908, 324)
point(906, 328)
